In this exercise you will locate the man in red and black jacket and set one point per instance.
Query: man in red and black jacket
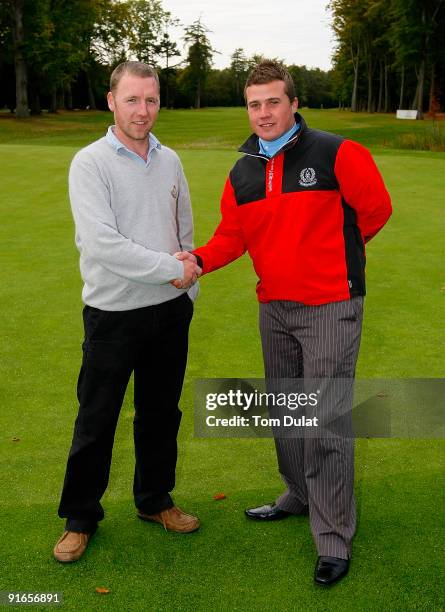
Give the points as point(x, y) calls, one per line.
point(303, 203)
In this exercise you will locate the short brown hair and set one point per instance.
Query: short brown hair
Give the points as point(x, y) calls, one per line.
point(139, 69)
point(266, 72)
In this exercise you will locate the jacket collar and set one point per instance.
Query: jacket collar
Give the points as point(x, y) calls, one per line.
point(252, 147)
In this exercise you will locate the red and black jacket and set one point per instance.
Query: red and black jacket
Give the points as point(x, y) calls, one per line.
point(304, 216)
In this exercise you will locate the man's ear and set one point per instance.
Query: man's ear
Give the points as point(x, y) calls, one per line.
point(295, 105)
point(110, 101)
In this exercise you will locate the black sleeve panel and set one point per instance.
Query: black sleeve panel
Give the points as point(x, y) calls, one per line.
point(248, 179)
point(354, 252)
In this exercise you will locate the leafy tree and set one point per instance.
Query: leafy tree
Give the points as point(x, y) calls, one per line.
point(107, 38)
point(415, 33)
point(255, 59)
point(347, 24)
point(57, 42)
point(145, 26)
point(299, 75)
point(219, 88)
point(312, 86)
point(66, 51)
point(199, 59)
point(239, 68)
point(166, 48)
point(398, 40)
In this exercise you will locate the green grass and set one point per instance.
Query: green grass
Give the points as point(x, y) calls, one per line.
point(230, 564)
point(213, 128)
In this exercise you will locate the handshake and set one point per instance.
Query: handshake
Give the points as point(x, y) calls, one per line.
point(191, 270)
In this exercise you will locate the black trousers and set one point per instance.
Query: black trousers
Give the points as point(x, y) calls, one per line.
point(152, 342)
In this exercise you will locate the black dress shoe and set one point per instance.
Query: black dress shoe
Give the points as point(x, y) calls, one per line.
point(269, 512)
point(330, 570)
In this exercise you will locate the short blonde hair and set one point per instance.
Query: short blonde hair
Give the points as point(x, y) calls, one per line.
point(139, 69)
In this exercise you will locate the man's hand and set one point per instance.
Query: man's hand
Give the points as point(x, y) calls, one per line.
point(191, 270)
point(183, 255)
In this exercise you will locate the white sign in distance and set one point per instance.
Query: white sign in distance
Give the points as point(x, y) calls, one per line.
point(406, 114)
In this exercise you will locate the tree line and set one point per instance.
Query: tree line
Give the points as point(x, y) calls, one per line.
point(58, 54)
point(390, 54)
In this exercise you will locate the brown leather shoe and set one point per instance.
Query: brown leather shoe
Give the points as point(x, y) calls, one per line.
point(173, 519)
point(71, 546)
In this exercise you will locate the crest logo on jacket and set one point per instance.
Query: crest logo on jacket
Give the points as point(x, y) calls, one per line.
point(307, 177)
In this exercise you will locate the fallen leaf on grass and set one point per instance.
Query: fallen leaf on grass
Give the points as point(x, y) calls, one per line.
point(219, 496)
point(102, 590)
point(16, 439)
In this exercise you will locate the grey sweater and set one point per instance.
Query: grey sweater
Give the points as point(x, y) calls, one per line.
point(129, 219)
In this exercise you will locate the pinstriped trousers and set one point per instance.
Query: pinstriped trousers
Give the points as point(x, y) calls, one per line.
point(315, 342)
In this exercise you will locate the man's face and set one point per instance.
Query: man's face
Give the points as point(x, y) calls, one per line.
point(270, 111)
point(135, 105)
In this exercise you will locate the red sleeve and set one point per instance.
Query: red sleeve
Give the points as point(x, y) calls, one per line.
point(227, 243)
point(362, 187)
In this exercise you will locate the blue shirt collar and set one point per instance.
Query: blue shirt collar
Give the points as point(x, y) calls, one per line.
point(270, 147)
point(113, 140)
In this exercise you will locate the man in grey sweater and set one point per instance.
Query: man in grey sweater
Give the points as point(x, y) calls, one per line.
point(132, 212)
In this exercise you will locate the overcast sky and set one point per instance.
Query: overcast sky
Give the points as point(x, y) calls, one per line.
point(296, 31)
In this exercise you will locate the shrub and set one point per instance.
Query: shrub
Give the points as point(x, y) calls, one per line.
point(429, 139)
